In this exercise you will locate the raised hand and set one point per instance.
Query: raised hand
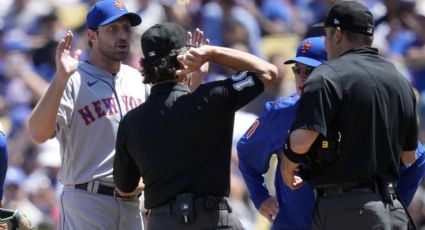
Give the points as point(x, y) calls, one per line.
point(66, 64)
point(197, 69)
point(197, 41)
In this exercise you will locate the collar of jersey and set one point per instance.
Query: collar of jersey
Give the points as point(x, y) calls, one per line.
point(362, 50)
point(96, 71)
point(169, 86)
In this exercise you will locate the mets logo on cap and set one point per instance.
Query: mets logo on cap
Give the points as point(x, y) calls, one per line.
point(119, 5)
point(306, 46)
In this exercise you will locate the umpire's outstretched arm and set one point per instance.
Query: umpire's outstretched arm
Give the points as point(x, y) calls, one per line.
point(230, 58)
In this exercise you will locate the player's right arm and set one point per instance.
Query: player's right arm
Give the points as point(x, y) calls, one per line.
point(42, 121)
point(411, 176)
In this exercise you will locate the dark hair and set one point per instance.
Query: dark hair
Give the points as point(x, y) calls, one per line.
point(162, 69)
point(353, 36)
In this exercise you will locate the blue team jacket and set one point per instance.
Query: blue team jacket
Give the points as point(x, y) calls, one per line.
point(265, 138)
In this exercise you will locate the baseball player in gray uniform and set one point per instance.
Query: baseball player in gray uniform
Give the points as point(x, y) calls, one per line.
point(83, 107)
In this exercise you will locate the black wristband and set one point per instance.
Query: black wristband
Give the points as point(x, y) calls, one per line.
point(293, 156)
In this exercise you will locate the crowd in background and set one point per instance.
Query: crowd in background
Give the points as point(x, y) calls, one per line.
point(31, 29)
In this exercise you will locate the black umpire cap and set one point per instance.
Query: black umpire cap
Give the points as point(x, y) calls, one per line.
point(161, 39)
point(351, 16)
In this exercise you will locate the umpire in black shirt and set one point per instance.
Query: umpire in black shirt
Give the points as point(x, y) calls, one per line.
point(363, 97)
point(180, 141)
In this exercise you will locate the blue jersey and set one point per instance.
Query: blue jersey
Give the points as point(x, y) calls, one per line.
point(411, 177)
point(256, 147)
point(3, 161)
point(265, 138)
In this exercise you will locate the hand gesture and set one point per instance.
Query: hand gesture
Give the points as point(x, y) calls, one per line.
point(197, 41)
point(288, 170)
point(197, 67)
point(66, 64)
point(269, 209)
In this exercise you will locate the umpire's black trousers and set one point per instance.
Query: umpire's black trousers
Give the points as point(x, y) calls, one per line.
point(168, 217)
point(358, 210)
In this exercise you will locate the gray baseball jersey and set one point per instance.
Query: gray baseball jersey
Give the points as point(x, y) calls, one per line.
point(91, 108)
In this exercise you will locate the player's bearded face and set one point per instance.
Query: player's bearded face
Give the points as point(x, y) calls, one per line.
point(114, 40)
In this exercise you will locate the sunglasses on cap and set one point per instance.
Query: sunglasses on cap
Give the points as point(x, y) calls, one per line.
point(306, 70)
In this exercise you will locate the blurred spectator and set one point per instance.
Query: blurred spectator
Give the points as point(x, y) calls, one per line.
point(22, 13)
point(216, 13)
point(179, 12)
point(317, 13)
point(152, 13)
point(44, 60)
point(273, 16)
point(42, 184)
point(22, 86)
point(15, 197)
point(414, 56)
point(238, 198)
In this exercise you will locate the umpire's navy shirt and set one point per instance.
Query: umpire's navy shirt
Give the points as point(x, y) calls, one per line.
point(371, 103)
point(179, 141)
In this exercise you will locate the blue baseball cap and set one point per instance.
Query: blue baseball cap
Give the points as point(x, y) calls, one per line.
point(310, 51)
point(107, 11)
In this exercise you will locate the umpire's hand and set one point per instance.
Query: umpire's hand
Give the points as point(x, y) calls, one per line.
point(288, 170)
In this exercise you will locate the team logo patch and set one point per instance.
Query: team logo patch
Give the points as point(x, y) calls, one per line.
point(242, 80)
point(119, 5)
point(306, 46)
point(336, 21)
point(369, 30)
point(239, 76)
point(251, 130)
point(151, 53)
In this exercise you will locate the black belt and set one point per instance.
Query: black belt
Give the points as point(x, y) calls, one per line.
point(102, 189)
point(208, 203)
point(344, 188)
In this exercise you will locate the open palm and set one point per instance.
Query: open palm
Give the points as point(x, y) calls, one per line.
point(66, 64)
